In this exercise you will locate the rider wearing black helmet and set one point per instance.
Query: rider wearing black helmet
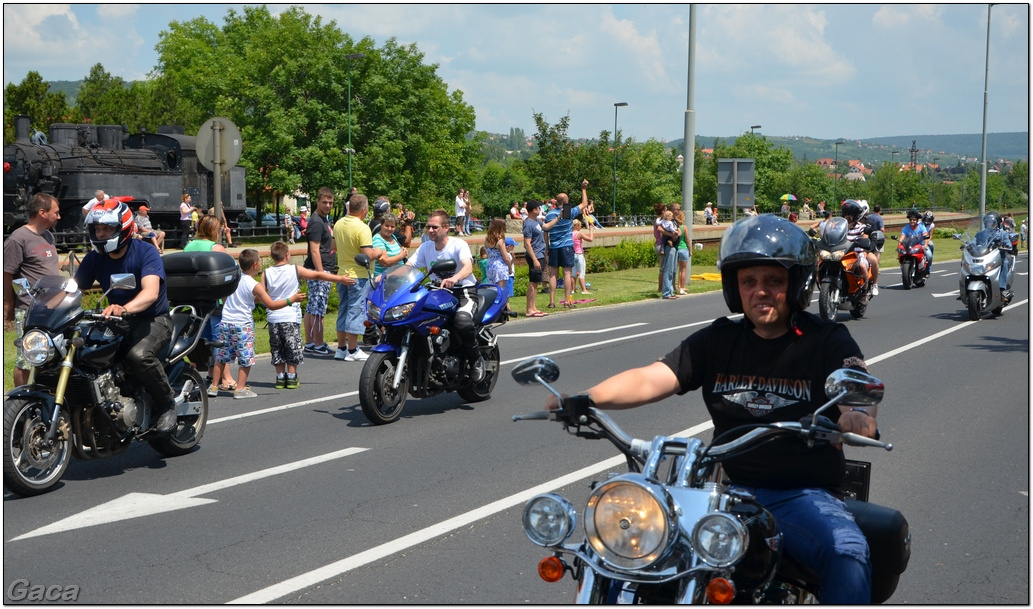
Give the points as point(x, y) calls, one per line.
point(860, 232)
point(110, 226)
point(770, 366)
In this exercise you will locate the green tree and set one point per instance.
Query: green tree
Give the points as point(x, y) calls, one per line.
point(551, 168)
point(32, 98)
point(102, 98)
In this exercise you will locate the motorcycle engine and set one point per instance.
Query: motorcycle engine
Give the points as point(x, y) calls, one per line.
point(124, 410)
point(452, 367)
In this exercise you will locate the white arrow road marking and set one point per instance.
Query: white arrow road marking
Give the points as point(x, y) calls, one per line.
point(954, 293)
point(555, 332)
point(138, 505)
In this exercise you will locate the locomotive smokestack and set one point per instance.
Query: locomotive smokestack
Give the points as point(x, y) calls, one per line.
point(22, 124)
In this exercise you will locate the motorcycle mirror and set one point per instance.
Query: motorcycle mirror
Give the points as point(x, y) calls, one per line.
point(20, 285)
point(123, 281)
point(444, 268)
point(362, 260)
point(894, 237)
point(529, 371)
point(856, 388)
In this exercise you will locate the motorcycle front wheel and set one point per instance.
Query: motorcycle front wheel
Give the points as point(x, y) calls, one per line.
point(974, 300)
point(380, 401)
point(828, 301)
point(906, 268)
point(190, 428)
point(481, 391)
point(30, 466)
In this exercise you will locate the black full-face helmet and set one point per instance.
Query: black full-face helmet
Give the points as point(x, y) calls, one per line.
point(927, 218)
point(767, 240)
point(852, 210)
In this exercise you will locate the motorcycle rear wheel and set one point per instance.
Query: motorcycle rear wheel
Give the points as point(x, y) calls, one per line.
point(906, 269)
point(30, 468)
point(828, 301)
point(189, 429)
point(974, 300)
point(482, 391)
point(380, 401)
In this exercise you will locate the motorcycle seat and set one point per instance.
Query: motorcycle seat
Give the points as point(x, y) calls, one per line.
point(486, 295)
point(184, 329)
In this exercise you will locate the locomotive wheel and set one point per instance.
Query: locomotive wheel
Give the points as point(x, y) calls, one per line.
point(190, 428)
point(380, 401)
point(31, 467)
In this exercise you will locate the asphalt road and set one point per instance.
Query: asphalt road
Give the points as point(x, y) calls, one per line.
point(294, 497)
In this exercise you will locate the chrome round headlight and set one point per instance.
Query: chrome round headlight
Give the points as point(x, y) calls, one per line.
point(549, 520)
point(719, 539)
point(627, 524)
point(37, 348)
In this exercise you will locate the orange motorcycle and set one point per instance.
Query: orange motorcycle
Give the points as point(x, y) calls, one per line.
point(843, 276)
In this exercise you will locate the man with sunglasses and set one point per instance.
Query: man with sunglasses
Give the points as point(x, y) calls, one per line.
point(437, 245)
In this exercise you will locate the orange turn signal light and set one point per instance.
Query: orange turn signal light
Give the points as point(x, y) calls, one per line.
point(434, 330)
point(551, 569)
point(720, 591)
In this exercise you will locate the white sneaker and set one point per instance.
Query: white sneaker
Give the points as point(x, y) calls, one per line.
point(341, 355)
point(358, 356)
point(875, 290)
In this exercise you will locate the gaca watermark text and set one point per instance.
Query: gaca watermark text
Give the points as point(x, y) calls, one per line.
point(24, 590)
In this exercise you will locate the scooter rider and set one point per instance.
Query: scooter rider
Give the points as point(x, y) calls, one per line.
point(110, 226)
point(928, 219)
point(993, 223)
point(439, 246)
point(769, 366)
point(859, 232)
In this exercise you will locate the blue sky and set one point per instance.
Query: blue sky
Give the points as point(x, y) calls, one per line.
point(819, 70)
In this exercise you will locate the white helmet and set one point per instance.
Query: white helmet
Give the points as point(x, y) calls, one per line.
point(863, 204)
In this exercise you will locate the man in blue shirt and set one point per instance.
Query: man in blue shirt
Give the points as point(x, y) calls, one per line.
point(110, 225)
point(561, 243)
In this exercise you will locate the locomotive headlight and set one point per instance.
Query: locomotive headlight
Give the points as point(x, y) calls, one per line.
point(399, 312)
point(37, 348)
point(549, 520)
point(372, 311)
point(627, 525)
point(719, 539)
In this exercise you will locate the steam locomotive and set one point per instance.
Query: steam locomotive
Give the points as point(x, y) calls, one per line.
point(156, 169)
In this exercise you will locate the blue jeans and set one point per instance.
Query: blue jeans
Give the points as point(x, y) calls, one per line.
point(668, 268)
point(351, 308)
point(819, 533)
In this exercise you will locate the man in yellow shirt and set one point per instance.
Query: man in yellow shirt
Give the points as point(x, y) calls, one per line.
point(352, 236)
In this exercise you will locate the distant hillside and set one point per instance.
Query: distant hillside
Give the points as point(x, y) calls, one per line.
point(948, 149)
point(69, 87)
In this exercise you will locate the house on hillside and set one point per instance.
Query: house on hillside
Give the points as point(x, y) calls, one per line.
point(827, 163)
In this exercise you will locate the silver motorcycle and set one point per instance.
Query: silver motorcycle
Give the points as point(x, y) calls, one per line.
point(981, 280)
point(673, 531)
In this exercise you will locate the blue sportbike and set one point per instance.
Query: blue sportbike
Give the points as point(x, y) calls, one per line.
point(417, 352)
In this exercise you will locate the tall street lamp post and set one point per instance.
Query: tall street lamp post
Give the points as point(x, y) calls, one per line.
point(615, 142)
point(752, 127)
point(893, 155)
point(349, 150)
point(835, 189)
point(986, 87)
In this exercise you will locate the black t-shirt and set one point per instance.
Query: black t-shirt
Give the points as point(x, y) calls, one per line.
point(747, 379)
point(320, 232)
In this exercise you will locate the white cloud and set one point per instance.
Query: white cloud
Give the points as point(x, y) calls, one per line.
point(117, 11)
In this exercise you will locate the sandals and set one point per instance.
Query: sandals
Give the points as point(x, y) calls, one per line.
point(569, 304)
point(229, 387)
point(537, 314)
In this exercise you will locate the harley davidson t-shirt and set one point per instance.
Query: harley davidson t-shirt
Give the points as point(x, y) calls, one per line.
point(747, 379)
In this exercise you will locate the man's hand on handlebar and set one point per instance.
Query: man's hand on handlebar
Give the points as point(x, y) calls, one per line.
point(114, 310)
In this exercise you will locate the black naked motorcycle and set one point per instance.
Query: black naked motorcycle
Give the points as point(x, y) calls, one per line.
point(81, 399)
point(673, 531)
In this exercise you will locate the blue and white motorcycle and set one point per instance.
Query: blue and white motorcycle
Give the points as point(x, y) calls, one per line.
point(982, 271)
point(416, 353)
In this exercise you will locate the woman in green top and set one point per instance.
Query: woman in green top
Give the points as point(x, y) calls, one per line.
point(207, 236)
point(684, 251)
point(387, 252)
